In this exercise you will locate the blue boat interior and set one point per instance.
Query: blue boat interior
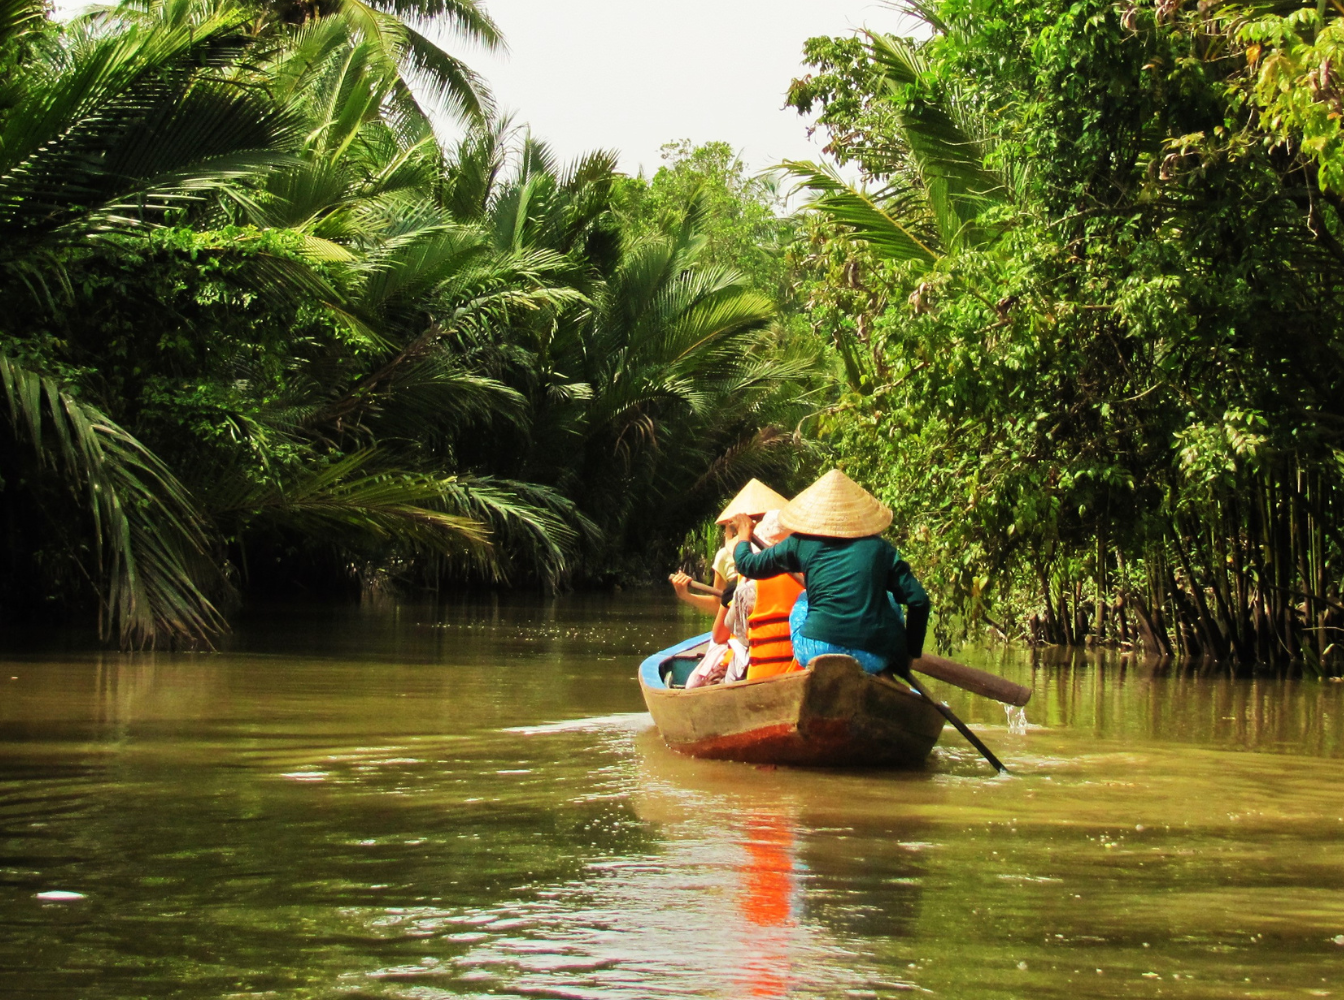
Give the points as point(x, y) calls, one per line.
point(664, 670)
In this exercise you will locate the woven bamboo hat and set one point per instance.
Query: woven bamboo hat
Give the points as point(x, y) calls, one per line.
point(835, 507)
point(755, 499)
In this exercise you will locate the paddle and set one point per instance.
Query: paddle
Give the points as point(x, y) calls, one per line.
point(979, 682)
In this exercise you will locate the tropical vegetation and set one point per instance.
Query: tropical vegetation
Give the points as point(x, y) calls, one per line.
point(267, 330)
point(1088, 293)
point(291, 309)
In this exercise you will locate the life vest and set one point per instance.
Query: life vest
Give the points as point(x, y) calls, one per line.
point(768, 627)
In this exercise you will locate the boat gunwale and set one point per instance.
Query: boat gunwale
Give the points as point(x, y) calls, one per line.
point(651, 672)
point(651, 675)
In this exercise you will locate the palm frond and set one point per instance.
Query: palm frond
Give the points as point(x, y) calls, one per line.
point(466, 17)
point(123, 128)
point(472, 170)
point(150, 539)
point(437, 396)
point(346, 499)
point(541, 528)
point(451, 85)
point(949, 160)
point(891, 234)
point(19, 17)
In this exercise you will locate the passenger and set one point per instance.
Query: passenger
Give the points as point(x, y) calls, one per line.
point(754, 499)
point(707, 603)
point(764, 605)
point(726, 656)
point(760, 642)
point(854, 578)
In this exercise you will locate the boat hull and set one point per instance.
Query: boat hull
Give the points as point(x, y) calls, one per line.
point(830, 715)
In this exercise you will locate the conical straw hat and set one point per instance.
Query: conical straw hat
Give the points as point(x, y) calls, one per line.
point(835, 507)
point(755, 498)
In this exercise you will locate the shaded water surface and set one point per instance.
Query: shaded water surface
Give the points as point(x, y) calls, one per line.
point(468, 802)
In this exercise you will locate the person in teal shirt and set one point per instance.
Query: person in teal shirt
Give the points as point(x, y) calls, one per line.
point(855, 580)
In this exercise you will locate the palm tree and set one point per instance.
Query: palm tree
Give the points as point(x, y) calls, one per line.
point(300, 142)
point(401, 31)
point(78, 172)
point(663, 392)
point(108, 132)
point(372, 198)
point(398, 31)
point(391, 356)
point(937, 192)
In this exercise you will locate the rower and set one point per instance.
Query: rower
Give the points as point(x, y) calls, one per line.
point(855, 579)
point(755, 499)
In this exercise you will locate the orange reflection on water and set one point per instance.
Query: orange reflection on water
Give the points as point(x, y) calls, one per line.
point(765, 900)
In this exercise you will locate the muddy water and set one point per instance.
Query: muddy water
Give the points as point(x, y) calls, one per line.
point(468, 802)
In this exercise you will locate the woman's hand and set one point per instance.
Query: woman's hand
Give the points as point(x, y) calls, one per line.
point(681, 583)
point(739, 529)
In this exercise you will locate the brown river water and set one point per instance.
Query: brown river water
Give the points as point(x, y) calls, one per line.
point(469, 801)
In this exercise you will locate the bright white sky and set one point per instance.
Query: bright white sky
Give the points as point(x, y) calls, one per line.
point(630, 75)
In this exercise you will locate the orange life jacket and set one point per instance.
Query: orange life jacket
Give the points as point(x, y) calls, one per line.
point(768, 627)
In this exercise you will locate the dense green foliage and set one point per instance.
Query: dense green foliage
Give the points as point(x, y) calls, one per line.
point(745, 226)
point(1096, 355)
point(265, 331)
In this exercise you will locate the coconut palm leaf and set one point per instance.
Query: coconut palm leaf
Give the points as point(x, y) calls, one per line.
point(450, 84)
point(949, 160)
point(115, 130)
point(662, 330)
point(397, 29)
point(442, 283)
point(534, 527)
point(19, 17)
point(940, 191)
point(489, 526)
point(466, 17)
point(347, 499)
point(892, 229)
point(438, 397)
point(151, 541)
point(472, 168)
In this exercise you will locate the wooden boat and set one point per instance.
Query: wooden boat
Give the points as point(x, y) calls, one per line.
point(832, 714)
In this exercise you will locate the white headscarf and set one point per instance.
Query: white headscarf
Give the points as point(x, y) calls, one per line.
point(769, 529)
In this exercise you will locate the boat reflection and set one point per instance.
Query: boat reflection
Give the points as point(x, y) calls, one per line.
point(765, 899)
point(684, 877)
point(811, 874)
